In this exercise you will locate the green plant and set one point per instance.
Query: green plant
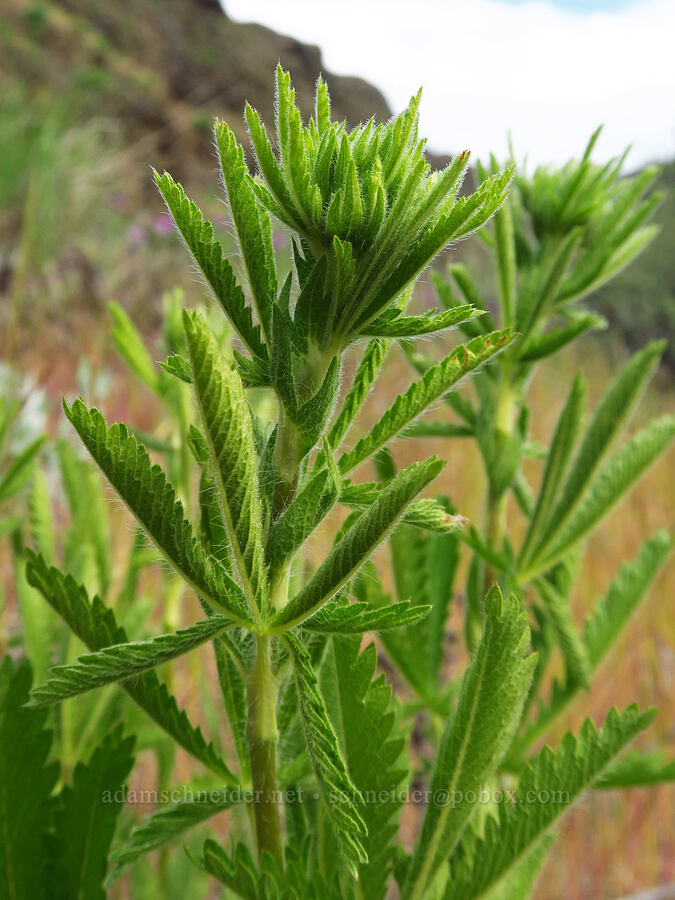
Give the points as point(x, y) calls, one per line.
point(319, 772)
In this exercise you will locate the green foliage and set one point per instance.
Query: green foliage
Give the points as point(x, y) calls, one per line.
point(548, 787)
point(121, 661)
point(359, 542)
point(58, 843)
point(305, 706)
point(341, 798)
point(488, 712)
point(95, 626)
point(435, 382)
point(85, 819)
point(226, 419)
point(27, 784)
point(169, 824)
point(152, 500)
point(365, 717)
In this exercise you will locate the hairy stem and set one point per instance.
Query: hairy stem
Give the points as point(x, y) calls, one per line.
point(262, 740)
point(286, 463)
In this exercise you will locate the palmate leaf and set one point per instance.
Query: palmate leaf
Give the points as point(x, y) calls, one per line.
point(197, 233)
point(252, 223)
point(386, 326)
point(608, 420)
point(365, 719)
point(228, 428)
point(355, 619)
point(146, 492)
point(95, 625)
point(85, 818)
point(550, 784)
point(170, 824)
point(27, 783)
point(394, 272)
point(435, 382)
point(488, 713)
point(342, 801)
point(121, 661)
point(361, 540)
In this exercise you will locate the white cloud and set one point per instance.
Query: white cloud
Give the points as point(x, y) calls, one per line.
point(548, 75)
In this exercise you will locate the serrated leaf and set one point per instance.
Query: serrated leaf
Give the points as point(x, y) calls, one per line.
point(145, 490)
point(169, 824)
point(559, 454)
point(227, 423)
point(252, 223)
point(178, 366)
point(95, 625)
point(365, 719)
point(356, 618)
point(341, 799)
point(360, 541)
point(301, 517)
point(435, 382)
point(612, 413)
point(613, 611)
point(121, 661)
point(428, 514)
point(85, 818)
point(437, 430)
point(412, 326)
point(424, 566)
point(560, 777)
point(367, 372)
point(488, 713)
point(613, 480)
point(197, 233)
point(27, 783)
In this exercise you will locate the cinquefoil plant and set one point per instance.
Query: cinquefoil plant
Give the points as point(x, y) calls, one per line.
point(320, 755)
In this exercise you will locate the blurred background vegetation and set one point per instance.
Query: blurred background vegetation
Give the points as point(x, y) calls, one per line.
point(91, 95)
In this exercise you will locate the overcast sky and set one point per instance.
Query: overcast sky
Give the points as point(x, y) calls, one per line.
point(548, 72)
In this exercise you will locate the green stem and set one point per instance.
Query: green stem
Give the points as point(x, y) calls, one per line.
point(262, 740)
point(496, 519)
point(286, 463)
